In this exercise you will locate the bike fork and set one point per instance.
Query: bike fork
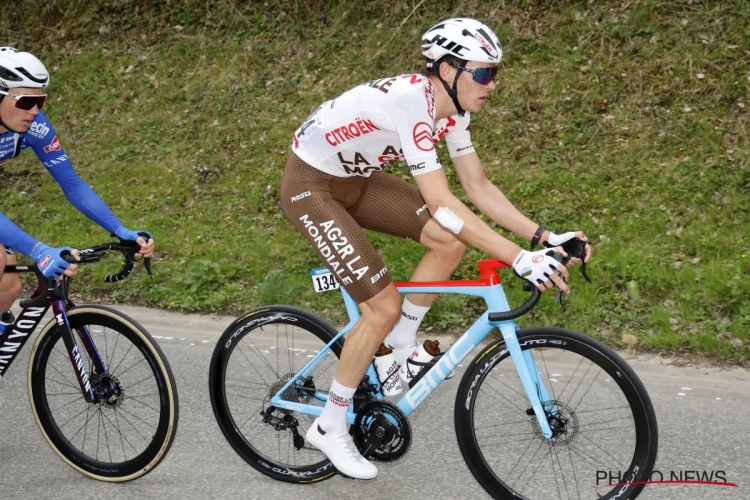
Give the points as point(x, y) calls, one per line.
point(530, 377)
point(58, 309)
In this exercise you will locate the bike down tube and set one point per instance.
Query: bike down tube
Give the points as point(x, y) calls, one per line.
point(58, 310)
point(445, 365)
point(17, 334)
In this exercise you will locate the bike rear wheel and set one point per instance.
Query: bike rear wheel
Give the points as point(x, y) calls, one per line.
point(255, 356)
point(607, 432)
point(128, 431)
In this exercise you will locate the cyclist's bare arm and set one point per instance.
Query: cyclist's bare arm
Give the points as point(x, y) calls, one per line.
point(489, 199)
point(436, 192)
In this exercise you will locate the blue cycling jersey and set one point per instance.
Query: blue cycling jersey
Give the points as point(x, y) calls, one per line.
point(41, 137)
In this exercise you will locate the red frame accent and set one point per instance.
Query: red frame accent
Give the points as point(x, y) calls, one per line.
point(487, 270)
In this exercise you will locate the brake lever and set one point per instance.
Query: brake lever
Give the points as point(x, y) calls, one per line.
point(146, 260)
point(577, 248)
point(574, 247)
point(558, 296)
point(134, 248)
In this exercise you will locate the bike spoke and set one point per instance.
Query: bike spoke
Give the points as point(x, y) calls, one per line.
point(98, 429)
point(247, 397)
point(85, 425)
point(122, 441)
point(123, 410)
point(500, 425)
point(253, 366)
point(120, 374)
point(119, 431)
point(113, 371)
point(546, 370)
point(71, 384)
point(142, 403)
point(68, 404)
point(109, 450)
point(571, 378)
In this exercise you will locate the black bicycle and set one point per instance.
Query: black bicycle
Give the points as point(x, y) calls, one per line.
point(106, 402)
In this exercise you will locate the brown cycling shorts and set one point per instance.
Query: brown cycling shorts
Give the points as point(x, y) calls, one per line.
point(332, 211)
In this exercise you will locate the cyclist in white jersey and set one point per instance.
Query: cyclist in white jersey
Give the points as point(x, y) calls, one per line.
point(333, 186)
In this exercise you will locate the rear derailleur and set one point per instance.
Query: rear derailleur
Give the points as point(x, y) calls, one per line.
point(287, 421)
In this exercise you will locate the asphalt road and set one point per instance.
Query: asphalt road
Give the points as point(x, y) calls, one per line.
point(701, 412)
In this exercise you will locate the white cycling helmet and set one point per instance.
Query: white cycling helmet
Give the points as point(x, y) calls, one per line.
point(21, 69)
point(463, 38)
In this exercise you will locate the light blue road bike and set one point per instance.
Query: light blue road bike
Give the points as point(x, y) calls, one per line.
point(540, 413)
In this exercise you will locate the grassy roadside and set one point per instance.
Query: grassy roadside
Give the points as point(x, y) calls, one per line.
point(629, 123)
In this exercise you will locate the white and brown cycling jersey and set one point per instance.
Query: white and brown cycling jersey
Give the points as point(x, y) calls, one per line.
point(333, 184)
point(388, 119)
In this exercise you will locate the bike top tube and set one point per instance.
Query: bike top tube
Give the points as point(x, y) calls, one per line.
point(484, 287)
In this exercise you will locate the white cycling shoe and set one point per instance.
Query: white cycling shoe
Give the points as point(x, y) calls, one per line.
point(342, 452)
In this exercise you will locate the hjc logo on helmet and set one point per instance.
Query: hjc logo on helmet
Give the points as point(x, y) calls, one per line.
point(452, 46)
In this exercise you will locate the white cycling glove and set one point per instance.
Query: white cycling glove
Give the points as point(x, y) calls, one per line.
point(536, 267)
point(556, 240)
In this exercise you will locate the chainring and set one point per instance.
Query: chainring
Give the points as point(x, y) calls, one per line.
point(398, 434)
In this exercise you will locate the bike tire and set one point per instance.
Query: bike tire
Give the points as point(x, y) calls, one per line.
point(165, 431)
point(231, 337)
point(644, 457)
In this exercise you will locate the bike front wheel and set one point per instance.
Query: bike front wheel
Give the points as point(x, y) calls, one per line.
point(605, 433)
point(126, 432)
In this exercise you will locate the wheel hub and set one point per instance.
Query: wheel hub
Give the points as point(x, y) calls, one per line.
point(562, 420)
point(107, 389)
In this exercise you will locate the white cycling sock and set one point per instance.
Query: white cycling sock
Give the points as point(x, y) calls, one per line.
point(333, 418)
point(405, 331)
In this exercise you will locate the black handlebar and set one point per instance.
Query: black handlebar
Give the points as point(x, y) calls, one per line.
point(574, 248)
point(94, 254)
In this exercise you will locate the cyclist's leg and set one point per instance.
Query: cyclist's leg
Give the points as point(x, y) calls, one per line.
point(316, 211)
point(393, 206)
point(10, 284)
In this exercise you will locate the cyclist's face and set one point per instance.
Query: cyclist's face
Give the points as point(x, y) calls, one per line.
point(472, 95)
point(17, 119)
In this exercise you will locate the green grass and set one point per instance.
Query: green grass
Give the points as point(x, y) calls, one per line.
point(180, 116)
